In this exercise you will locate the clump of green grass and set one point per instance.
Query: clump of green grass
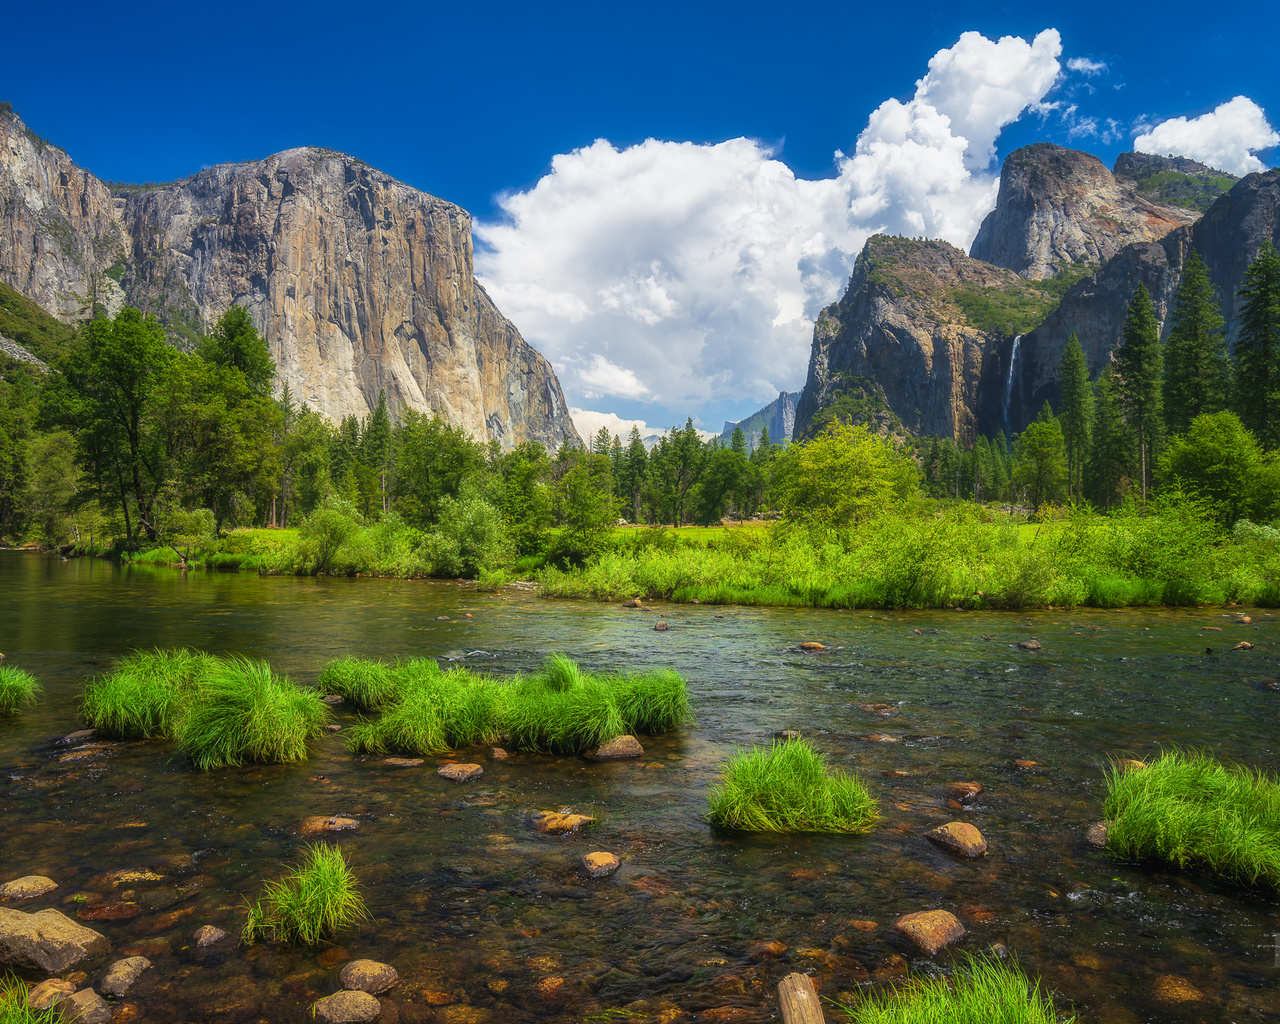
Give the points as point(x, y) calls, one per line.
point(982, 991)
point(310, 904)
point(652, 702)
point(1192, 811)
point(145, 695)
point(789, 789)
point(14, 1008)
point(562, 721)
point(18, 689)
point(368, 685)
point(244, 712)
point(436, 711)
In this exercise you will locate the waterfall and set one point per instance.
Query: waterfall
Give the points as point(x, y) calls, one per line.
point(1008, 384)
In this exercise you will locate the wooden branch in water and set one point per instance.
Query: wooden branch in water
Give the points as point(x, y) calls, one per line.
point(798, 1000)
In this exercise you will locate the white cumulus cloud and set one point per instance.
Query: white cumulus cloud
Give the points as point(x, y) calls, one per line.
point(679, 273)
point(1226, 137)
point(1085, 66)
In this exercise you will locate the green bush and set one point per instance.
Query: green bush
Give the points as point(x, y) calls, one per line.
point(145, 696)
point(310, 904)
point(18, 688)
point(789, 789)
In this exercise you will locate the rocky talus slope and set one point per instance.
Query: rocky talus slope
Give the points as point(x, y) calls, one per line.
point(358, 282)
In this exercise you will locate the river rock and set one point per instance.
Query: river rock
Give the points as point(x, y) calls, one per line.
point(498, 754)
point(559, 823)
point(661, 625)
point(617, 749)
point(959, 837)
point(79, 736)
point(347, 1007)
point(965, 792)
point(1243, 645)
point(207, 935)
point(812, 645)
point(121, 975)
point(402, 762)
point(600, 864)
point(459, 772)
point(85, 1007)
point(318, 823)
point(633, 603)
point(27, 887)
point(881, 737)
point(1172, 990)
point(49, 992)
point(1029, 645)
point(1243, 620)
point(931, 930)
point(1097, 834)
point(368, 976)
point(48, 940)
point(1128, 764)
point(770, 950)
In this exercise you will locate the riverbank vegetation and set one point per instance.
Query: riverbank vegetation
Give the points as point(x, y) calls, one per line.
point(982, 991)
point(14, 1008)
point(18, 689)
point(789, 788)
point(1193, 812)
point(310, 904)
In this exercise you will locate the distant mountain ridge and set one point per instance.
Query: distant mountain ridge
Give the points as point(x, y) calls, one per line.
point(779, 417)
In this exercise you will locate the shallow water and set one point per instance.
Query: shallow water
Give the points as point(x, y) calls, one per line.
point(487, 920)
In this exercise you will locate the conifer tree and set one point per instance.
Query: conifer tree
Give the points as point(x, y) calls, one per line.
point(1196, 368)
point(1138, 379)
point(1073, 371)
point(1111, 442)
point(1257, 350)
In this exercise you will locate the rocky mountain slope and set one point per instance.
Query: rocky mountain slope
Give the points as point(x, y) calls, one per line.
point(358, 282)
point(778, 417)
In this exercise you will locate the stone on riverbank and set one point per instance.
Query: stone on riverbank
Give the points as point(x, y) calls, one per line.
point(617, 749)
point(47, 940)
point(931, 930)
point(1097, 834)
point(368, 976)
point(959, 837)
point(121, 975)
point(347, 1007)
point(27, 887)
point(459, 772)
point(600, 864)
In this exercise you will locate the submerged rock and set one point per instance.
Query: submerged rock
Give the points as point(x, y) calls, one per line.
point(931, 930)
point(498, 754)
point(1097, 834)
point(402, 762)
point(368, 976)
point(207, 935)
point(959, 837)
point(121, 975)
point(48, 940)
point(1172, 990)
point(965, 792)
point(558, 822)
point(600, 864)
point(1030, 645)
point(618, 748)
point(316, 824)
point(27, 887)
point(347, 1007)
point(459, 772)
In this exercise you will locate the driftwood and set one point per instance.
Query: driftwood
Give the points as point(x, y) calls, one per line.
point(798, 1000)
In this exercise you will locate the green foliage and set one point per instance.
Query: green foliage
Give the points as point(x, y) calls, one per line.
point(244, 713)
point(1257, 349)
point(1138, 377)
point(1191, 811)
point(310, 904)
point(1219, 461)
point(789, 789)
point(1041, 456)
point(1191, 191)
point(13, 1002)
point(653, 703)
point(27, 323)
point(585, 507)
point(236, 344)
point(18, 689)
point(1077, 405)
point(983, 990)
point(540, 716)
point(470, 537)
point(1196, 367)
point(145, 696)
point(1008, 311)
point(367, 685)
point(324, 532)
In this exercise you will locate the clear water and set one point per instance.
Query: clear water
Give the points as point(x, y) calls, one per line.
point(488, 920)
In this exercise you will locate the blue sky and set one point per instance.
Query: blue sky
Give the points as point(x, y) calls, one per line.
point(662, 280)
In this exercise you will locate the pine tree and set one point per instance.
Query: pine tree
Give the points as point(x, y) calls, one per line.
point(1257, 350)
point(1073, 371)
point(1196, 368)
point(1138, 379)
point(738, 441)
point(1111, 442)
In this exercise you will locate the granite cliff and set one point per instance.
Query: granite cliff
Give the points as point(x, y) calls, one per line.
point(358, 282)
point(778, 417)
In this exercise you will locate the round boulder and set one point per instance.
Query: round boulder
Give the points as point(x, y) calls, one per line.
point(930, 930)
point(1097, 834)
point(347, 1007)
point(599, 864)
point(26, 888)
point(368, 976)
point(959, 837)
point(459, 772)
point(617, 749)
point(86, 1007)
point(661, 625)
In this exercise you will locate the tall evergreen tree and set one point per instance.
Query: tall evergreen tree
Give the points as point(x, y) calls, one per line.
point(634, 466)
point(1196, 368)
point(1138, 378)
point(1111, 442)
point(1257, 350)
point(1073, 371)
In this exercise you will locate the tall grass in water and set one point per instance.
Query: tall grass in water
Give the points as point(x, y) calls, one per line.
point(18, 688)
point(983, 991)
point(309, 904)
point(13, 1005)
point(145, 695)
point(789, 789)
point(244, 712)
point(1192, 811)
point(368, 685)
point(435, 712)
point(653, 702)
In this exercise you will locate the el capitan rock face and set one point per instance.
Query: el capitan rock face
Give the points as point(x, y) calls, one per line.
point(358, 282)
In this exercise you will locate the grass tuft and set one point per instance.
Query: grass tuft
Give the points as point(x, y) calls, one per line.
point(1192, 811)
point(18, 689)
point(368, 685)
point(14, 1008)
point(653, 702)
point(145, 696)
point(310, 904)
point(982, 991)
point(244, 712)
point(556, 721)
point(789, 789)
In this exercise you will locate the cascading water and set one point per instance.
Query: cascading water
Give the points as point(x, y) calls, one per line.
point(1008, 384)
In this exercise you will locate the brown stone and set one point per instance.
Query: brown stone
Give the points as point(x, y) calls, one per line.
point(498, 754)
point(434, 997)
point(332, 957)
point(207, 935)
point(459, 772)
point(26, 888)
point(1243, 645)
point(864, 926)
point(959, 837)
point(1127, 764)
point(129, 878)
point(767, 950)
point(880, 737)
point(1022, 762)
point(49, 992)
point(85, 1007)
point(1244, 620)
point(599, 864)
point(462, 1014)
point(661, 625)
point(110, 912)
point(976, 913)
point(812, 645)
point(121, 975)
point(730, 1014)
point(368, 976)
point(559, 823)
point(47, 940)
point(1172, 990)
point(930, 930)
point(965, 792)
point(617, 749)
point(347, 1007)
point(549, 988)
point(318, 823)
point(402, 762)
point(633, 603)
point(1097, 834)
point(1029, 645)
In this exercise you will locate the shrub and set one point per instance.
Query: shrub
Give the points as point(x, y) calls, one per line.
point(983, 991)
point(145, 696)
point(310, 904)
point(243, 712)
point(18, 688)
point(789, 789)
point(1192, 811)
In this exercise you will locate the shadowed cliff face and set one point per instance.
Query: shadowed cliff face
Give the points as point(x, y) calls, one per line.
point(358, 282)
